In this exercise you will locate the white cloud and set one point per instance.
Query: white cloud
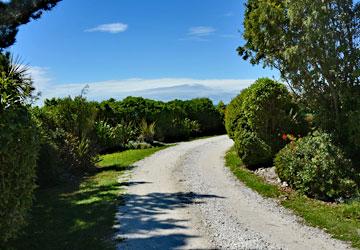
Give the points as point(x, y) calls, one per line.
point(162, 88)
point(201, 31)
point(40, 77)
point(112, 28)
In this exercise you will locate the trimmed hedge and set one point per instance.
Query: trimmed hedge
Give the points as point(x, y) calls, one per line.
point(234, 116)
point(246, 142)
point(258, 117)
point(314, 166)
point(18, 154)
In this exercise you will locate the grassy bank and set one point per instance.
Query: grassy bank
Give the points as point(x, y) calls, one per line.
point(81, 215)
point(340, 220)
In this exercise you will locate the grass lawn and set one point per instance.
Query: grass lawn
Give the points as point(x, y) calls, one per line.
point(340, 220)
point(81, 215)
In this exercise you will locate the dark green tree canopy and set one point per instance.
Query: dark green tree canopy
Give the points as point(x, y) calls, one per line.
point(18, 12)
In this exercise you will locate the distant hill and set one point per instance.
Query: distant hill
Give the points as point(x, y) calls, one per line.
point(182, 92)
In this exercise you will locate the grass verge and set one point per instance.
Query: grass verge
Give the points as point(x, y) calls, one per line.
point(81, 215)
point(342, 221)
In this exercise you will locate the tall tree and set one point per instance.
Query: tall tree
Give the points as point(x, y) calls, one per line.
point(18, 12)
point(316, 47)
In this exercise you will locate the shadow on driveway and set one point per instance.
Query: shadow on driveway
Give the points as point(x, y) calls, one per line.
point(144, 222)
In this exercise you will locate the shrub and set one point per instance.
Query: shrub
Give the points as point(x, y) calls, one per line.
point(193, 127)
point(122, 134)
point(78, 154)
point(18, 148)
point(104, 135)
point(70, 124)
point(18, 153)
point(113, 138)
point(175, 120)
point(147, 131)
point(171, 125)
point(316, 167)
point(352, 142)
point(49, 168)
point(262, 113)
point(203, 111)
point(251, 149)
point(234, 114)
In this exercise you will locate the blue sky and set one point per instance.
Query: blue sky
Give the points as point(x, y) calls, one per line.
point(169, 48)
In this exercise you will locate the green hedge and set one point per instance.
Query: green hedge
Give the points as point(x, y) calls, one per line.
point(251, 149)
point(234, 116)
point(258, 117)
point(18, 154)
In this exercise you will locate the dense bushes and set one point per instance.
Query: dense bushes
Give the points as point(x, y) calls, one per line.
point(109, 138)
point(234, 114)
point(18, 148)
point(264, 118)
point(313, 165)
point(175, 120)
point(18, 153)
point(68, 125)
point(258, 118)
point(74, 130)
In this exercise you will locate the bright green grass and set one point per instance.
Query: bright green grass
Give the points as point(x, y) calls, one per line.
point(340, 220)
point(81, 215)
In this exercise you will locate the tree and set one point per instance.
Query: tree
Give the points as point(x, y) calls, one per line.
point(316, 47)
point(18, 12)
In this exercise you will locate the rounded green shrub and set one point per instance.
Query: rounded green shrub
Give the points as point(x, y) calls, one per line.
point(265, 111)
point(314, 166)
point(251, 149)
point(234, 115)
point(18, 154)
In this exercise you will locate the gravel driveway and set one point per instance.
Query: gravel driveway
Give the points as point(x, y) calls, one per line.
point(184, 197)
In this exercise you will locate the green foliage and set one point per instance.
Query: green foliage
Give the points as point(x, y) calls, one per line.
point(49, 167)
point(73, 115)
point(80, 215)
point(15, 85)
point(111, 138)
point(175, 120)
point(234, 115)
point(315, 46)
point(270, 112)
point(221, 108)
point(104, 135)
point(147, 132)
point(252, 150)
point(18, 148)
point(14, 13)
point(316, 167)
point(206, 114)
point(257, 119)
point(69, 125)
point(18, 153)
point(352, 129)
